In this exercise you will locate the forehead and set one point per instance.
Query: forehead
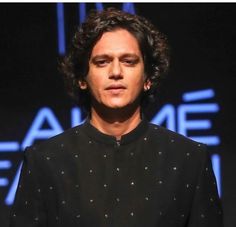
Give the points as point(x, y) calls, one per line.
point(119, 41)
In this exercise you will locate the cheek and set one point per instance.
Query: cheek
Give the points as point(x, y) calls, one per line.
point(95, 86)
point(138, 83)
point(95, 77)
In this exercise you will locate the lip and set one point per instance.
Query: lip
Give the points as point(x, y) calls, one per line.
point(115, 87)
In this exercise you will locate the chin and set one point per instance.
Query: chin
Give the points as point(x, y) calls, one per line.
point(116, 106)
point(119, 106)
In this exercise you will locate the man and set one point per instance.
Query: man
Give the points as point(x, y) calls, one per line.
point(116, 169)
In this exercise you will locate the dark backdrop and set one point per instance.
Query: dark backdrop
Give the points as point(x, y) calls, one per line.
point(202, 39)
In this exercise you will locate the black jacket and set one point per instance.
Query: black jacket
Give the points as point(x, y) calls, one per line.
point(151, 177)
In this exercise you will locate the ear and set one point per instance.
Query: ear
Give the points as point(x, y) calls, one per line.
point(147, 85)
point(82, 84)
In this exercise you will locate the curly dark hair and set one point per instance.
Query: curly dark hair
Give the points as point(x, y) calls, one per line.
point(153, 45)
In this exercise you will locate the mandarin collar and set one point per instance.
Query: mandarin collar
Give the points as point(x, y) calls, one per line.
point(101, 137)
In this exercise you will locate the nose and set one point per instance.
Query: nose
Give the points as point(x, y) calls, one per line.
point(115, 70)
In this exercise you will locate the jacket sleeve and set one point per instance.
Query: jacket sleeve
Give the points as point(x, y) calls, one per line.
point(206, 209)
point(28, 209)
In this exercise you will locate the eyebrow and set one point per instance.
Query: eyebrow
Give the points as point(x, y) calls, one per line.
point(101, 56)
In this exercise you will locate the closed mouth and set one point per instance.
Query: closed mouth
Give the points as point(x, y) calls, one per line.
point(115, 87)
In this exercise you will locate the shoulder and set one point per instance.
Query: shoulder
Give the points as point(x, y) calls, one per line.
point(174, 142)
point(178, 152)
point(171, 136)
point(64, 140)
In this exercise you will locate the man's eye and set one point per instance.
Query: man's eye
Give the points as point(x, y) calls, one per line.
point(101, 62)
point(130, 61)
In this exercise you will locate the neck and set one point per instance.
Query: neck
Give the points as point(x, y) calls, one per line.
point(115, 122)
